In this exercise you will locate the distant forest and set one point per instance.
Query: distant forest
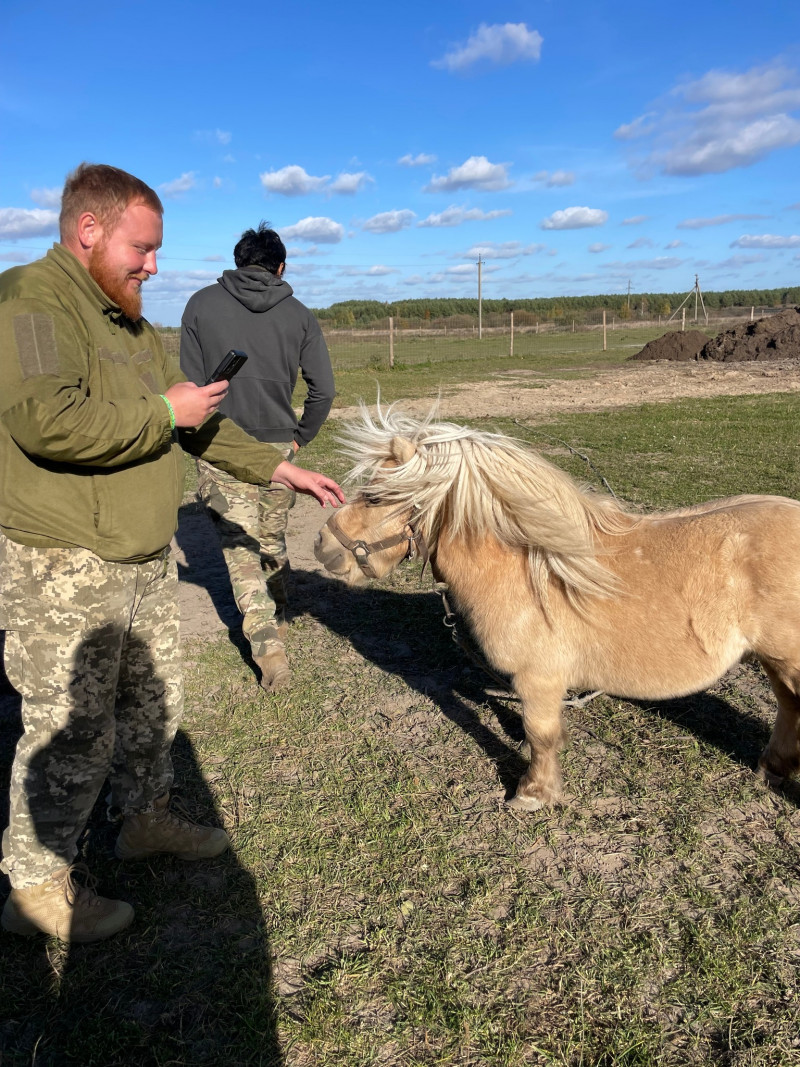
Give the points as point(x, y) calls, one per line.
point(366, 312)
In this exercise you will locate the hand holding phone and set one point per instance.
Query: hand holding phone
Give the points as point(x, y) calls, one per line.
point(231, 364)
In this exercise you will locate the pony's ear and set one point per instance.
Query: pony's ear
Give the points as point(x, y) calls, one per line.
point(402, 449)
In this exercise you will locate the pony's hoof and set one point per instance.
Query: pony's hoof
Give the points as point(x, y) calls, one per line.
point(521, 803)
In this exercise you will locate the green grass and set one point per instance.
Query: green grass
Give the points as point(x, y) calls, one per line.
point(409, 917)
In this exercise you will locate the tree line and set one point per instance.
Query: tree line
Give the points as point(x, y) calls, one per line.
point(367, 312)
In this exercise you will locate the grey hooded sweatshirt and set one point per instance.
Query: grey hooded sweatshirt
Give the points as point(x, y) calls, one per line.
point(253, 310)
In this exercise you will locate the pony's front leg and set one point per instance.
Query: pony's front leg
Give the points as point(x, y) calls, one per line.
point(544, 731)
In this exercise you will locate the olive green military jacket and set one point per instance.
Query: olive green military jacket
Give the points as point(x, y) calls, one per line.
point(87, 455)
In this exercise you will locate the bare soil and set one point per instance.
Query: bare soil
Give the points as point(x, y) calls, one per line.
point(771, 338)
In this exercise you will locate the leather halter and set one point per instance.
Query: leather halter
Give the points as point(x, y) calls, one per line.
point(362, 549)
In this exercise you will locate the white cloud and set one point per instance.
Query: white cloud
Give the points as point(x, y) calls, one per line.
point(641, 242)
point(422, 159)
point(575, 218)
point(717, 220)
point(641, 127)
point(766, 240)
point(172, 284)
point(720, 121)
point(389, 221)
point(214, 259)
point(455, 216)
point(674, 244)
point(292, 181)
point(15, 257)
point(502, 250)
point(324, 230)
point(217, 183)
point(598, 247)
point(348, 184)
point(414, 279)
point(469, 270)
point(635, 220)
point(17, 223)
point(510, 42)
point(294, 252)
point(378, 271)
point(47, 197)
point(178, 185)
point(555, 180)
point(213, 136)
point(734, 263)
point(476, 173)
point(659, 263)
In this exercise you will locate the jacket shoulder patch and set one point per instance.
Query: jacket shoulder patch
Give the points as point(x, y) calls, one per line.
point(35, 335)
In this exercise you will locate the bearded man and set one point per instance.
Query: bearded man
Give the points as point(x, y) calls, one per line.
point(93, 420)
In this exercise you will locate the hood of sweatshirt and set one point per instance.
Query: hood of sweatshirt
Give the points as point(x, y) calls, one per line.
point(256, 288)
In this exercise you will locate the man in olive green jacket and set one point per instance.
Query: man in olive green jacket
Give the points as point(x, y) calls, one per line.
point(93, 421)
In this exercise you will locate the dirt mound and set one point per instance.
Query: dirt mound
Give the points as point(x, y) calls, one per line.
point(775, 337)
point(770, 338)
point(675, 346)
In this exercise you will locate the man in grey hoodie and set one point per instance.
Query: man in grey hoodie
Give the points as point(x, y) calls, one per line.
point(252, 309)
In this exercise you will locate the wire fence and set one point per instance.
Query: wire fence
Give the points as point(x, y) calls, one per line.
point(395, 342)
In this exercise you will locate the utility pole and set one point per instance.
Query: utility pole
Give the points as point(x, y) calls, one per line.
point(480, 308)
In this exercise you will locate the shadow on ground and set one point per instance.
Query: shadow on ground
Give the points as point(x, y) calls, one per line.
point(190, 982)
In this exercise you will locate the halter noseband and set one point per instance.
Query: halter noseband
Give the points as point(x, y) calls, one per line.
point(362, 550)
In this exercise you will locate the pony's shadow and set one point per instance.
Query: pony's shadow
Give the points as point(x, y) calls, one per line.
point(404, 635)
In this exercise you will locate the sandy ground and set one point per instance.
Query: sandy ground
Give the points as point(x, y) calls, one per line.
point(207, 606)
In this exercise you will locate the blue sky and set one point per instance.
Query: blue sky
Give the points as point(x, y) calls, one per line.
point(575, 146)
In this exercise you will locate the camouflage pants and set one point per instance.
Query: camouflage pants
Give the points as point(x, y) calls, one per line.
point(251, 522)
point(93, 648)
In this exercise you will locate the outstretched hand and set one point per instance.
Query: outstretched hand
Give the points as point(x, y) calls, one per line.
point(322, 487)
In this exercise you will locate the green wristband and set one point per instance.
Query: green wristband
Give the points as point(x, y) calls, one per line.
point(171, 411)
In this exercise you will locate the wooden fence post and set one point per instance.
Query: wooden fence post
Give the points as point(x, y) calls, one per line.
point(391, 341)
point(605, 339)
point(511, 343)
point(683, 320)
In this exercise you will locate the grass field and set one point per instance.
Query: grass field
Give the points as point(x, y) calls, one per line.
point(383, 906)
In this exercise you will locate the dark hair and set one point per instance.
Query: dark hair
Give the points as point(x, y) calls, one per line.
point(106, 192)
point(260, 248)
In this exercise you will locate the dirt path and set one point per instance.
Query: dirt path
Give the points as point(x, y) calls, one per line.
point(207, 607)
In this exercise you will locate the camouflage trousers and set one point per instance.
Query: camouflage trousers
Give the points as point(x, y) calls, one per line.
point(93, 649)
point(251, 522)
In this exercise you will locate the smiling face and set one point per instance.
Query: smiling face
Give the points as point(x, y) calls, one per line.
point(121, 260)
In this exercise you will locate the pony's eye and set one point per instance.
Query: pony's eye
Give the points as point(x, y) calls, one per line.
point(371, 500)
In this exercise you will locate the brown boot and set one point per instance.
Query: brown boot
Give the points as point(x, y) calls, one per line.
point(159, 831)
point(63, 908)
point(274, 667)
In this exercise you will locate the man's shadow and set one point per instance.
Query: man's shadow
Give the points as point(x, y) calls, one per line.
point(188, 982)
point(404, 635)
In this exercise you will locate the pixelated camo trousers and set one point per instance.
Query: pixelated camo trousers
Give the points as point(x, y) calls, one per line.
point(251, 522)
point(93, 649)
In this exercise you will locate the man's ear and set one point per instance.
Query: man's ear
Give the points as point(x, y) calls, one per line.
point(402, 449)
point(88, 230)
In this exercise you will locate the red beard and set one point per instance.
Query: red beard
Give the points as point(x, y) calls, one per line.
point(115, 285)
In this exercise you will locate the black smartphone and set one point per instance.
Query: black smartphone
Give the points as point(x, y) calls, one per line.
point(231, 364)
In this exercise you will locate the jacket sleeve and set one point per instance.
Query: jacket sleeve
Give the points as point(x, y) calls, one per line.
point(315, 366)
point(45, 401)
point(220, 442)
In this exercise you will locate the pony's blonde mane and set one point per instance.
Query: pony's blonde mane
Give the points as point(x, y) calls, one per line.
point(486, 484)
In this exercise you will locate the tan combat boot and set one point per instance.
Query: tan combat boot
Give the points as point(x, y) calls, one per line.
point(63, 908)
point(163, 831)
point(274, 667)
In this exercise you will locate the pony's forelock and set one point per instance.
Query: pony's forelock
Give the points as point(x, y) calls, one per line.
point(485, 484)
